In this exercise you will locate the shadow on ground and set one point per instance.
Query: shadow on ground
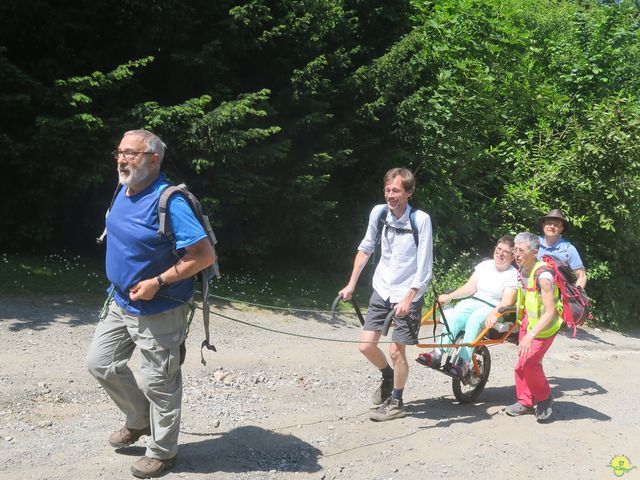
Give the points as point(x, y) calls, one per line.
point(583, 335)
point(247, 449)
point(445, 411)
point(39, 312)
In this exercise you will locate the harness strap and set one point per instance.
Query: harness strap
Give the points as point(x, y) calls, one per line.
point(484, 301)
point(100, 239)
point(382, 223)
point(396, 229)
point(205, 318)
point(437, 306)
point(164, 229)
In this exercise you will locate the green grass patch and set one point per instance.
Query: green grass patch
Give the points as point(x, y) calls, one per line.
point(286, 287)
point(282, 287)
point(50, 274)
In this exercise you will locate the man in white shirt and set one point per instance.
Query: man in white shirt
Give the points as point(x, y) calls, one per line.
point(399, 283)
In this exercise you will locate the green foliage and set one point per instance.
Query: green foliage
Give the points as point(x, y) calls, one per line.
point(51, 274)
point(225, 147)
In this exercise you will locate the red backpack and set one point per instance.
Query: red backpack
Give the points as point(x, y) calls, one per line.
point(576, 304)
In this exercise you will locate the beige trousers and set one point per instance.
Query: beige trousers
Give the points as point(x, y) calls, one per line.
point(156, 402)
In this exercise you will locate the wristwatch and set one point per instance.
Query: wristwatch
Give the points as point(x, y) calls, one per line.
point(160, 280)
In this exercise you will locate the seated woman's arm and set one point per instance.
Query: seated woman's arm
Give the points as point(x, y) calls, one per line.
point(508, 298)
point(464, 291)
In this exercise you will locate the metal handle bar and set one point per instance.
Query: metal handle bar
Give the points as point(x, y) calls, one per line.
point(338, 299)
point(387, 322)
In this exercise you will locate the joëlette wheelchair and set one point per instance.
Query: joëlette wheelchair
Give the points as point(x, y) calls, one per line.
point(467, 388)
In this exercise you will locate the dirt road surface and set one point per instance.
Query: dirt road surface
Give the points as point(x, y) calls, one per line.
point(275, 406)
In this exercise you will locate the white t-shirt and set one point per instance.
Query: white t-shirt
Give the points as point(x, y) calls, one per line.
point(492, 282)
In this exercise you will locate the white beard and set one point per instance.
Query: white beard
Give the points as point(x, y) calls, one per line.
point(135, 174)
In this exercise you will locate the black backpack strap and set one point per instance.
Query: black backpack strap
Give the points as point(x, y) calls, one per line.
point(414, 226)
point(100, 239)
point(437, 307)
point(382, 221)
point(484, 301)
point(205, 317)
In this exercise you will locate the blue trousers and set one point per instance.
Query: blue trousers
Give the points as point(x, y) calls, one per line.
point(468, 315)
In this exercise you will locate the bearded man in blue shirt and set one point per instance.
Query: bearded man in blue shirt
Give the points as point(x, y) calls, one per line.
point(399, 283)
point(148, 307)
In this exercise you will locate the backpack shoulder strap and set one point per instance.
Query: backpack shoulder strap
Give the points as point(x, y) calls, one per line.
point(414, 225)
point(100, 239)
point(539, 271)
point(164, 226)
point(412, 220)
point(382, 221)
point(164, 229)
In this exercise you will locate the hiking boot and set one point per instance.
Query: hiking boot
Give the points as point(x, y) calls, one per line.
point(392, 408)
point(383, 391)
point(544, 410)
point(518, 409)
point(127, 436)
point(432, 359)
point(146, 467)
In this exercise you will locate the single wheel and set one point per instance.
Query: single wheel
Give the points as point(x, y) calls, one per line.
point(467, 389)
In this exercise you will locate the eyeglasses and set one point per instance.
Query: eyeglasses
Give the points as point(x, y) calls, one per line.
point(503, 251)
point(395, 191)
point(520, 250)
point(128, 154)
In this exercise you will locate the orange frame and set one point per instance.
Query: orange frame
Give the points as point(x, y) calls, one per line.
point(430, 319)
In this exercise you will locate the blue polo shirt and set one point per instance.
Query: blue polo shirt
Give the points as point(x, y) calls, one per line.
point(136, 252)
point(563, 251)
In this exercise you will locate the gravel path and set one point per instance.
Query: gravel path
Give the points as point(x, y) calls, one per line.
point(272, 406)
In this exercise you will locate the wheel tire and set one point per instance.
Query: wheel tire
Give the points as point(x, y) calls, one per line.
point(467, 393)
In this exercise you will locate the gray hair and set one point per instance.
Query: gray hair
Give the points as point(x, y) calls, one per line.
point(528, 237)
point(151, 140)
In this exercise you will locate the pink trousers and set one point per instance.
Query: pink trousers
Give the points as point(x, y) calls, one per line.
point(531, 384)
